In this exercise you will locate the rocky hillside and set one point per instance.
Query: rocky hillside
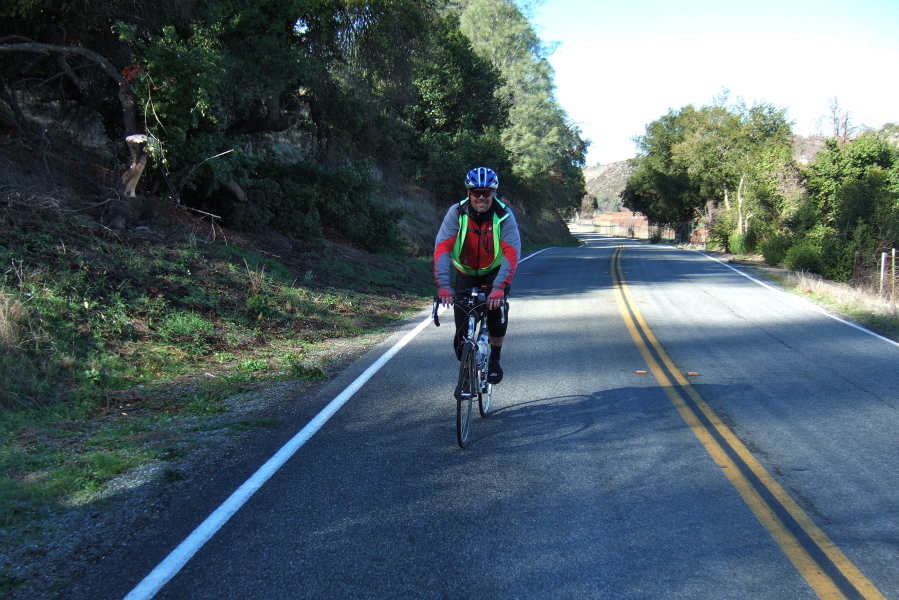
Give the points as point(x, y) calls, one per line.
point(805, 148)
point(604, 185)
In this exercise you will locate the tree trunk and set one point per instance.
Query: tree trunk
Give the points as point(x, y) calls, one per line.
point(234, 188)
point(130, 178)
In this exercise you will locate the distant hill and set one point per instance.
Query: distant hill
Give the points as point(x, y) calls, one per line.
point(604, 185)
point(805, 148)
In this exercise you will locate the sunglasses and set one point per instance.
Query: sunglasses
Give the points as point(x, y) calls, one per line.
point(481, 193)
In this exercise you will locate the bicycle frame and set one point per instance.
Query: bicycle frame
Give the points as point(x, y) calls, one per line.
point(474, 303)
point(473, 360)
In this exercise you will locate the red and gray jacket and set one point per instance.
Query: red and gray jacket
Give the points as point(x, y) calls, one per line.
point(477, 246)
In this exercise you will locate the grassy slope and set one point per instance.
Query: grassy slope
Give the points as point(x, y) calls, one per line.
point(121, 348)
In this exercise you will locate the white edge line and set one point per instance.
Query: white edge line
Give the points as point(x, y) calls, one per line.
point(808, 305)
point(173, 563)
point(535, 254)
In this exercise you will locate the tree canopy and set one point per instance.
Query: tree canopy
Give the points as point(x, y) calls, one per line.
point(716, 157)
point(729, 168)
point(237, 97)
point(545, 147)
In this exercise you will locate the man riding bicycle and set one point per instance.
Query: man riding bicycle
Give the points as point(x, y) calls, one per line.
point(479, 237)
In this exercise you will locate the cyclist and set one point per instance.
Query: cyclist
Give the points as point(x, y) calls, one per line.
point(479, 237)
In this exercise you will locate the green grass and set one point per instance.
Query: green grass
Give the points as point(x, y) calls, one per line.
point(42, 475)
point(112, 343)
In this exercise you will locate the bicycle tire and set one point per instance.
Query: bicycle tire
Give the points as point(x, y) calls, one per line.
point(485, 390)
point(467, 389)
point(484, 399)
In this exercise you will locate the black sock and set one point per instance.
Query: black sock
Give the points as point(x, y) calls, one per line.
point(495, 351)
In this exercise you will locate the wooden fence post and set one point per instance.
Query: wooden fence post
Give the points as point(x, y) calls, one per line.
point(893, 279)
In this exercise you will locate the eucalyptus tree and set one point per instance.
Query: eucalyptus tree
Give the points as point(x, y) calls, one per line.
point(736, 154)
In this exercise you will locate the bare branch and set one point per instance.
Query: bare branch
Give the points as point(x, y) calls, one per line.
point(126, 92)
point(126, 98)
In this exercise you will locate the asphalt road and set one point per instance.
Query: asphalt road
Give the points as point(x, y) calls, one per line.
point(589, 479)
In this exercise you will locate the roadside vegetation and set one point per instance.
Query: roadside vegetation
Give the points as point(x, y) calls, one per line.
point(124, 350)
point(729, 177)
point(859, 304)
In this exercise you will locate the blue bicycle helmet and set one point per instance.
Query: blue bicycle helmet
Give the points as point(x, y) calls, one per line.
point(481, 177)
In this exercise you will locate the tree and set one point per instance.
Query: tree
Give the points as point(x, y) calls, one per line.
point(842, 164)
point(132, 136)
point(852, 204)
point(235, 97)
point(542, 142)
point(661, 187)
point(840, 123)
point(454, 128)
point(717, 155)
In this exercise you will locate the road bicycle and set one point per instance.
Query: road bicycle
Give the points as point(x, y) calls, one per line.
point(473, 360)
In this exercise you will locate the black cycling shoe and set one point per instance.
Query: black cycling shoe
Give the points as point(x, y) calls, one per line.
point(494, 372)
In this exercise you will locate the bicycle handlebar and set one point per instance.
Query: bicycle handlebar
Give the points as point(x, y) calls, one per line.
point(476, 299)
point(434, 312)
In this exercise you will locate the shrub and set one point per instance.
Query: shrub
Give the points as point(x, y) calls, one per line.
point(803, 257)
point(774, 249)
point(736, 243)
point(721, 230)
point(836, 259)
point(303, 199)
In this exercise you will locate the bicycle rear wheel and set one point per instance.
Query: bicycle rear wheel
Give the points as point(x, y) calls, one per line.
point(468, 387)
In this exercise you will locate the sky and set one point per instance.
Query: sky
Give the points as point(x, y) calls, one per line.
point(621, 64)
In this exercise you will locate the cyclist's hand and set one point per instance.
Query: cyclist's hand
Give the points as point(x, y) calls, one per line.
point(495, 299)
point(445, 295)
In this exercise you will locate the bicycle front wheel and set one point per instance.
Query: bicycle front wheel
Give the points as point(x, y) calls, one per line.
point(484, 399)
point(468, 388)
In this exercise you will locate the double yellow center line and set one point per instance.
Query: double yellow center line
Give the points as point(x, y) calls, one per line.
point(826, 569)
